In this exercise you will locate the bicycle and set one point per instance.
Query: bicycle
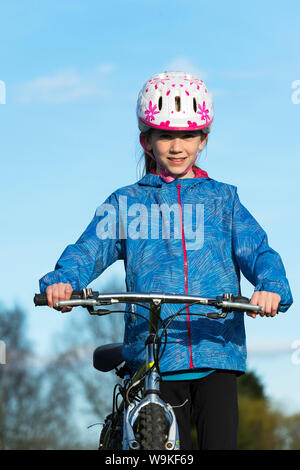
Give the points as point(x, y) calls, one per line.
point(143, 421)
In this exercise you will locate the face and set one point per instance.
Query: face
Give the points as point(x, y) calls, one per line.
point(176, 150)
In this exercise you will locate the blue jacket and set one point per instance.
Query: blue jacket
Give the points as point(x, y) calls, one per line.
point(190, 236)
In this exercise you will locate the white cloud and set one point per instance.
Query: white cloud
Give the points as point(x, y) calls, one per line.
point(66, 86)
point(246, 74)
point(76, 354)
point(106, 68)
point(269, 349)
point(183, 64)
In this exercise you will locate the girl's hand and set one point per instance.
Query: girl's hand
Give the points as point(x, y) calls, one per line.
point(268, 300)
point(57, 292)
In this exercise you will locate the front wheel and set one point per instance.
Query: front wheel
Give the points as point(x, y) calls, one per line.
point(153, 427)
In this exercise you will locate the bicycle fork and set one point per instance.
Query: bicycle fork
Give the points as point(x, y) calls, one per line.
point(151, 395)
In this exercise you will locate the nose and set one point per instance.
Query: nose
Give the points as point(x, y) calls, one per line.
point(176, 145)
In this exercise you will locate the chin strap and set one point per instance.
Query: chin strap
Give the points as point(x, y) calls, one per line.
point(166, 175)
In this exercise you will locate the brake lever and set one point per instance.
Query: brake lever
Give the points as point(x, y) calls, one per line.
point(215, 316)
point(225, 310)
point(99, 311)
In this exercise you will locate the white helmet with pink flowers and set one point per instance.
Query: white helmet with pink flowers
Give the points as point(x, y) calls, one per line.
point(175, 101)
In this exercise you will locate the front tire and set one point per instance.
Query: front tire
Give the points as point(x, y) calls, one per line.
point(153, 427)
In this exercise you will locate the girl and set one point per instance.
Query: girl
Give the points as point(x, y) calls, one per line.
point(201, 250)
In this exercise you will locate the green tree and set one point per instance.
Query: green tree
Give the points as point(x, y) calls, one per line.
point(250, 385)
point(92, 389)
point(292, 431)
point(35, 400)
point(261, 427)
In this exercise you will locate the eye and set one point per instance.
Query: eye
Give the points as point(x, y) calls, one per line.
point(165, 136)
point(188, 136)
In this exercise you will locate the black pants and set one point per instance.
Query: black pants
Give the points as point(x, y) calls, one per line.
point(213, 402)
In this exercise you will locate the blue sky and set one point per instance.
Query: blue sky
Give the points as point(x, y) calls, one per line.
point(72, 70)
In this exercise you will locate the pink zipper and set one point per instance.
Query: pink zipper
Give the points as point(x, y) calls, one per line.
point(185, 277)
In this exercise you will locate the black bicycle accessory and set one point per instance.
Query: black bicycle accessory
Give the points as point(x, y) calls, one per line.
point(40, 300)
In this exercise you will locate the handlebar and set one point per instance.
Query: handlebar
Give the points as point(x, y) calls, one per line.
point(89, 299)
point(40, 300)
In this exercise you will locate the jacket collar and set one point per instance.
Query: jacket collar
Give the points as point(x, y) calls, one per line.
point(156, 181)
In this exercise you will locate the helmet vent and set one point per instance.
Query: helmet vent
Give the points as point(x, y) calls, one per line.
point(160, 103)
point(195, 104)
point(177, 103)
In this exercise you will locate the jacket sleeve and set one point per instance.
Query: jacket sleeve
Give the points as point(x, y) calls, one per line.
point(258, 262)
point(97, 248)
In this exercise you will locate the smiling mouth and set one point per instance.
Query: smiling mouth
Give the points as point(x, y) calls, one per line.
point(177, 160)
